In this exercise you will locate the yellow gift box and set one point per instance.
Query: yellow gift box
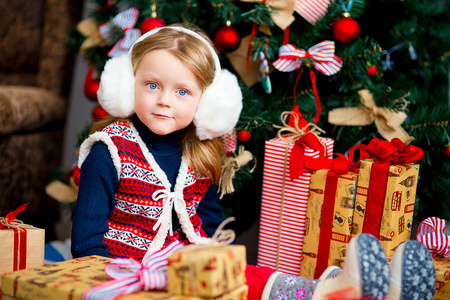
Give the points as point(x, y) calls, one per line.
point(442, 267)
point(63, 280)
point(394, 216)
point(328, 221)
point(205, 271)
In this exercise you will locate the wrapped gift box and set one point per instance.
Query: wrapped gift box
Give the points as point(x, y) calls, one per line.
point(328, 221)
point(63, 280)
point(21, 248)
point(392, 214)
point(442, 267)
point(283, 207)
point(206, 271)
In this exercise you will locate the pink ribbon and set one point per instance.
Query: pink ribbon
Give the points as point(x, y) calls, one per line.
point(125, 21)
point(130, 276)
point(321, 55)
point(431, 234)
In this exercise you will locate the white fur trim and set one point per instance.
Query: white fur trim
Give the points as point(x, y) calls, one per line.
point(116, 91)
point(88, 143)
point(219, 107)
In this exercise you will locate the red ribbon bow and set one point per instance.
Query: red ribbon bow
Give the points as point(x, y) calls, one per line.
point(431, 233)
point(10, 221)
point(395, 151)
point(339, 165)
point(304, 138)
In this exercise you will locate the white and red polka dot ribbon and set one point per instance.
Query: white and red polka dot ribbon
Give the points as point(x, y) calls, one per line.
point(312, 10)
point(431, 233)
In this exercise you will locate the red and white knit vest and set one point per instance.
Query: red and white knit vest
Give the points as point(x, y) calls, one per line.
point(141, 222)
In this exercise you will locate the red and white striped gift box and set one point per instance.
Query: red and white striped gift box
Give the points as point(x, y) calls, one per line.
point(282, 224)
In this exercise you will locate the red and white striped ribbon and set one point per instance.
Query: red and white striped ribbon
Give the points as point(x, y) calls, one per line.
point(431, 234)
point(322, 55)
point(126, 21)
point(130, 276)
point(312, 10)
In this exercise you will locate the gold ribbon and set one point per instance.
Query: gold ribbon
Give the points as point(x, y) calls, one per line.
point(388, 122)
point(230, 166)
point(89, 29)
point(224, 237)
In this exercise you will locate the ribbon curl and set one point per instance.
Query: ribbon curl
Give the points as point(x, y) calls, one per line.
point(388, 122)
point(321, 56)
point(125, 21)
point(431, 233)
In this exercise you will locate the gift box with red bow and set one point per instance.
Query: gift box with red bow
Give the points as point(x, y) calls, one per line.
point(22, 245)
point(285, 192)
point(330, 212)
point(386, 192)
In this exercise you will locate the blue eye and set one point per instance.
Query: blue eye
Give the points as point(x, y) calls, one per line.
point(152, 86)
point(182, 92)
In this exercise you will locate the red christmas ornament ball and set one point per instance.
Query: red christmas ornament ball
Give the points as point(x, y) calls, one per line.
point(372, 71)
point(76, 175)
point(447, 150)
point(243, 135)
point(98, 112)
point(91, 85)
point(227, 39)
point(150, 24)
point(346, 30)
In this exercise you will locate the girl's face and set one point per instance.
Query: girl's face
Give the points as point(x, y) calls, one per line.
point(167, 93)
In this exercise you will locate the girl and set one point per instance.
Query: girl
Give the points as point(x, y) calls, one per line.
point(147, 176)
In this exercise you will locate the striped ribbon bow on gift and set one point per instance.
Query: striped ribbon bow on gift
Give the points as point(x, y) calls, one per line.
point(125, 21)
point(321, 56)
point(431, 233)
point(130, 276)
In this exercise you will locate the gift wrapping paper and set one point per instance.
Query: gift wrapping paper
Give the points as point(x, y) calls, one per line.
point(206, 271)
point(328, 221)
point(442, 267)
point(283, 211)
point(21, 248)
point(58, 281)
point(396, 219)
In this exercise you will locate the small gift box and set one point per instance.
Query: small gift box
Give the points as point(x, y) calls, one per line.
point(330, 212)
point(386, 190)
point(206, 271)
point(285, 193)
point(22, 245)
point(442, 267)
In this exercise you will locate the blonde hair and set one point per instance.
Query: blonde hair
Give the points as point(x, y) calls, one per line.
point(205, 157)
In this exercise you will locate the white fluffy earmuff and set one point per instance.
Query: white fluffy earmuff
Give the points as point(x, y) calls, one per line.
point(217, 112)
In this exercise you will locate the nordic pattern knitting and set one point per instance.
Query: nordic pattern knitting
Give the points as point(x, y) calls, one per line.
point(136, 212)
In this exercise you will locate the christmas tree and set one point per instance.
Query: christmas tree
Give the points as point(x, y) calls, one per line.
point(358, 69)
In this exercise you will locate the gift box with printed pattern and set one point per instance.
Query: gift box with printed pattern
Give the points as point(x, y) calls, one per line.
point(206, 271)
point(328, 221)
point(386, 192)
point(442, 267)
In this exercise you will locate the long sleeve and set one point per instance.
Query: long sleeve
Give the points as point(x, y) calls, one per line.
point(210, 211)
point(95, 203)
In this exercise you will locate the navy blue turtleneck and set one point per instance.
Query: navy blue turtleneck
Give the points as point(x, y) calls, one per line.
point(98, 182)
